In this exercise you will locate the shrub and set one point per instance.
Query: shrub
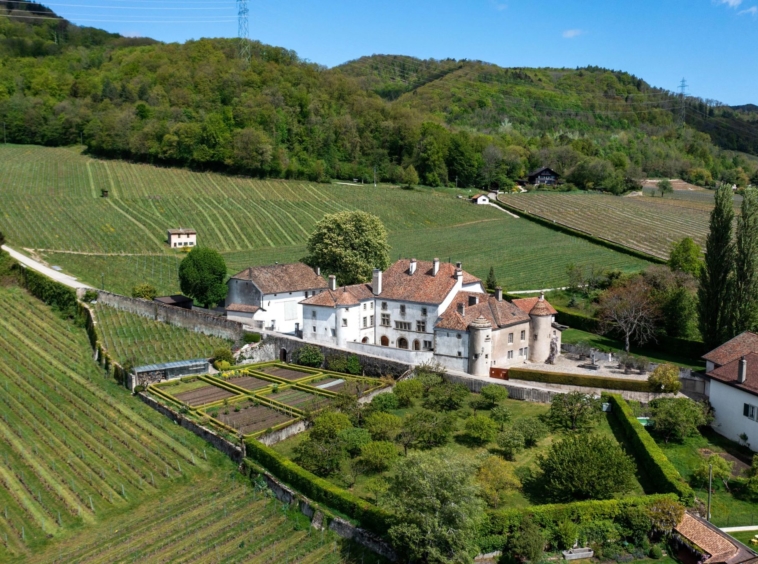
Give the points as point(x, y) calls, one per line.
point(384, 402)
point(493, 394)
point(566, 534)
point(496, 478)
point(90, 296)
point(346, 364)
point(383, 426)
point(223, 354)
point(528, 543)
point(480, 429)
point(353, 440)
point(428, 380)
point(678, 418)
point(139, 389)
point(532, 429)
point(329, 425)
point(665, 514)
point(655, 552)
point(500, 415)
point(511, 442)
point(310, 355)
point(144, 292)
point(578, 380)
point(378, 456)
point(252, 338)
point(407, 391)
point(446, 397)
point(222, 365)
point(665, 379)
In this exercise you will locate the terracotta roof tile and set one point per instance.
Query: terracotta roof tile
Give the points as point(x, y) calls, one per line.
point(741, 345)
point(281, 278)
point(527, 305)
point(498, 313)
point(183, 231)
point(243, 308)
point(346, 296)
point(727, 373)
point(720, 547)
point(421, 286)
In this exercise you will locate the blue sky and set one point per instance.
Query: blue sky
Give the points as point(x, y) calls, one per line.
point(711, 43)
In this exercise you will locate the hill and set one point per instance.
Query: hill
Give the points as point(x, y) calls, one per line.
point(456, 122)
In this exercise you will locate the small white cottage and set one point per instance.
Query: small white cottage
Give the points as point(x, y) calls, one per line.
point(182, 237)
point(480, 199)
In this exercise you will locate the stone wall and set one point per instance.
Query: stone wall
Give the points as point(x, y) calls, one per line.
point(187, 319)
point(514, 392)
point(282, 434)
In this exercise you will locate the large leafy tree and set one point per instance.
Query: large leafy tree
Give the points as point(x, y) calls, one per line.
point(678, 418)
point(744, 297)
point(716, 275)
point(202, 274)
point(685, 257)
point(574, 411)
point(585, 467)
point(436, 506)
point(349, 245)
point(629, 311)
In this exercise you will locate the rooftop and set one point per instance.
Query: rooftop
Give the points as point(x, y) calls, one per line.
point(346, 296)
point(175, 299)
point(498, 313)
point(281, 278)
point(422, 286)
point(727, 373)
point(182, 231)
point(242, 308)
point(720, 547)
point(170, 365)
point(738, 347)
point(528, 305)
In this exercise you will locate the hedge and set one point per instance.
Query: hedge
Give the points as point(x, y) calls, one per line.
point(648, 454)
point(368, 515)
point(602, 382)
point(49, 291)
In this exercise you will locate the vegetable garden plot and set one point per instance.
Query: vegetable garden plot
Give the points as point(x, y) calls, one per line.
point(250, 418)
point(249, 382)
point(285, 373)
point(301, 400)
point(344, 385)
point(204, 395)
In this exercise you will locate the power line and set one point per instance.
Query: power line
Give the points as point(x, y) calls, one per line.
point(243, 32)
point(683, 94)
point(111, 7)
point(59, 19)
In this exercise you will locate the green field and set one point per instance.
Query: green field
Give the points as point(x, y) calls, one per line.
point(642, 223)
point(51, 203)
point(89, 473)
point(143, 341)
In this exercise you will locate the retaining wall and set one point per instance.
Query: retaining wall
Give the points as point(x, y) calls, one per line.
point(282, 434)
point(199, 322)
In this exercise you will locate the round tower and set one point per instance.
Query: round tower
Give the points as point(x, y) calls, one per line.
point(479, 347)
point(541, 321)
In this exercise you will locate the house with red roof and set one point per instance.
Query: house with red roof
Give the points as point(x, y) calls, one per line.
point(732, 387)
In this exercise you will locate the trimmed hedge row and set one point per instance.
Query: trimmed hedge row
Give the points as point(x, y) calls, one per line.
point(368, 515)
point(648, 454)
point(602, 382)
point(49, 291)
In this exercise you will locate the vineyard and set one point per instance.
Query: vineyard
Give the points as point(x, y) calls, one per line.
point(88, 473)
point(645, 224)
point(143, 341)
point(53, 204)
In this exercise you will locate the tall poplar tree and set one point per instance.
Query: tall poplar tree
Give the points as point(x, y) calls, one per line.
point(716, 275)
point(744, 298)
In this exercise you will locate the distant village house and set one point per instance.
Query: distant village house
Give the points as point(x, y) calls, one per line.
point(480, 199)
point(543, 176)
point(182, 237)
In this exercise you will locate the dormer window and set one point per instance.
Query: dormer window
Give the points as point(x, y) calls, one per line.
point(423, 311)
point(402, 309)
point(384, 305)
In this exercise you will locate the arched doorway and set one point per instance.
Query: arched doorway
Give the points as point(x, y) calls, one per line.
point(416, 345)
point(283, 355)
point(364, 340)
point(402, 343)
point(385, 341)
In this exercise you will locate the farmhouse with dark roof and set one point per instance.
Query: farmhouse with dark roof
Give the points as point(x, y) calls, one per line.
point(544, 175)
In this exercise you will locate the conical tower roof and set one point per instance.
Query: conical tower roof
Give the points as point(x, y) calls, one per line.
point(540, 309)
point(480, 323)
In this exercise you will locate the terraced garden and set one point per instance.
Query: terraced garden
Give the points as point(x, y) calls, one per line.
point(143, 341)
point(52, 204)
point(645, 224)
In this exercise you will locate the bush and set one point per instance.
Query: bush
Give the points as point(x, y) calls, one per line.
point(496, 478)
point(655, 552)
point(528, 543)
point(578, 380)
point(223, 354)
point(378, 456)
point(329, 425)
point(383, 426)
point(407, 391)
point(139, 389)
point(345, 364)
point(493, 394)
point(144, 292)
point(222, 365)
point(500, 415)
point(511, 442)
point(252, 338)
point(665, 379)
point(566, 534)
point(480, 429)
point(90, 296)
point(532, 429)
point(310, 355)
point(446, 397)
point(384, 402)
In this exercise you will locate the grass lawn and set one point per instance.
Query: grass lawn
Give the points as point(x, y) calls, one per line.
point(745, 536)
point(524, 462)
point(606, 344)
point(727, 509)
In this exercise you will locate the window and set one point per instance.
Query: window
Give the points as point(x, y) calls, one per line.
point(402, 325)
point(423, 311)
point(314, 328)
point(510, 355)
point(364, 307)
point(460, 353)
point(306, 293)
point(421, 326)
point(334, 333)
point(371, 319)
point(313, 314)
point(416, 345)
point(386, 319)
point(384, 306)
point(523, 335)
point(385, 341)
point(510, 338)
point(344, 322)
point(750, 411)
point(402, 310)
point(365, 322)
point(427, 345)
point(402, 343)
point(526, 351)
point(372, 306)
point(459, 335)
point(521, 352)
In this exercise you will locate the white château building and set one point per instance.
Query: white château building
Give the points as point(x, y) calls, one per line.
point(419, 311)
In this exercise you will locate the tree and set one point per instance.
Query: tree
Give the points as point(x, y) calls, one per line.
point(384, 402)
point(722, 471)
point(201, 276)
point(493, 394)
point(496, 478)
point(378, 456)
point(629, 311)
point(410, 176)
point(665, 187)
point(323, 451)
point(529, 542)
point(437, 507)
point(500, 415)
point(585, 467)
point(446, 397)
point(223, 354)
point(491, 279)
point(574, 411)
point(685, 256)
point(665, 379)
point(408, 391)
point(144, 291)
point(480, 429)
point(349, 245)
point(329, 425)
point(678, 418)
point(511, 442)
point(715, 277)
point(427, 429)
point(310, 355)
point(665, 514)
point(353, 440)
point(532, 429)
point(744, 295)
point(383, 426)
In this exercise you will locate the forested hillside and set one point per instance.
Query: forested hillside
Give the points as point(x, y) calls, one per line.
point(461, 122)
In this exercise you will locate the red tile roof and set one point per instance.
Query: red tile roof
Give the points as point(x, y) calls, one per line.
point(527, 305)
point(720, 547)
point(281, 278)
point(498, 313)
point(421, 286)
point(727, 373)
point(347, 296)
point(738, 347)
point(183, 231)
point(242, 308)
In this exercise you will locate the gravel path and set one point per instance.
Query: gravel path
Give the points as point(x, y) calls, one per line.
point(64, 279)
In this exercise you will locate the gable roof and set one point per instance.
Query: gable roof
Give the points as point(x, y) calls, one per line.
point(345, 296)
point(727, 373)
point(742, 344)
point(498, 313)
point(242, 308)
point(539, 171)
point(281, 278)
point(182, 231)
point(720, 547)
point(421, 286)
point(532, 305)
point(477, 196)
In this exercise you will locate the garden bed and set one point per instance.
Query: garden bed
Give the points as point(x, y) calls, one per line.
point(300, 399)
point(203, 395)
point(250, 418)
point(249, 382)
point(285, 373)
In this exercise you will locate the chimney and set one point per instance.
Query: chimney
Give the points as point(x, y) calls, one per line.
point(318, 271)
point(742, 371)
point(376, 282)
point(542, 296)
point(435, 266)
point(459, 265)
point(459, 275)
point(473, 300)
point(332, 282)
point(499, 294)
point(412, 268)
point(462, 310)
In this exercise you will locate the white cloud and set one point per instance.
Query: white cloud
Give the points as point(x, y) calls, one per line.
point(131, 34)
point(730, 3)
point(571, 33)
point(752, 11)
